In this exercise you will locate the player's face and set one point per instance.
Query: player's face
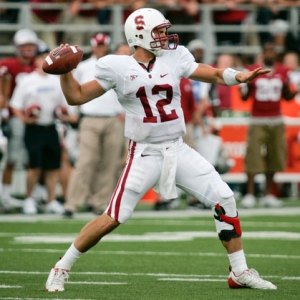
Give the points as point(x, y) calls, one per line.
point(225, 61)
point(27, 50)
point(269, 55)
point(161, 33)
point(198, 54)
point(291, 61)
point(100, 50)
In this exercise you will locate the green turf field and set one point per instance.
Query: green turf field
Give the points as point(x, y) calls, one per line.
point(156, 256)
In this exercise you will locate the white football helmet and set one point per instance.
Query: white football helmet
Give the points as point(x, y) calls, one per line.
point(139, 31)
point(26, 42)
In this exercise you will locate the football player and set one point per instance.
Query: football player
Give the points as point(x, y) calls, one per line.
point(34, 101)
point(12, 69)
point(266, 128)
point(147, 85)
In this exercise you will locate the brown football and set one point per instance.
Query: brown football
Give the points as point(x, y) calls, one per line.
point(62, 60)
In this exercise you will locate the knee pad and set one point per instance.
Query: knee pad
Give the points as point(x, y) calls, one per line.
point(228, 227)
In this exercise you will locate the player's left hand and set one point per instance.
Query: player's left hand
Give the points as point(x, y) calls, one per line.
point(248, 76)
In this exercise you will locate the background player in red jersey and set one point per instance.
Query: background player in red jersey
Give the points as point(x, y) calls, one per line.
point(266, 142)
point(11, 71)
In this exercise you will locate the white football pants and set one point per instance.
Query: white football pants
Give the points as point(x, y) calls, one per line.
point(194, 174)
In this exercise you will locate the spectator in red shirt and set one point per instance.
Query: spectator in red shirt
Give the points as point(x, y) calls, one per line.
point(221, 95)
point(265, 151)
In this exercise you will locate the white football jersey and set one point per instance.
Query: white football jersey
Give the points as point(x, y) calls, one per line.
point(151, 100)
point(43, 90)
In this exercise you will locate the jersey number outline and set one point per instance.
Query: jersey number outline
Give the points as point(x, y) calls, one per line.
point(164, 117)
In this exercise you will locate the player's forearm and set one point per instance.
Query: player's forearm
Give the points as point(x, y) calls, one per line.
point(206, 73)
point(18, 113)
point(5, 87)
point(2, 101)
point(71, 89)
point(77, 94)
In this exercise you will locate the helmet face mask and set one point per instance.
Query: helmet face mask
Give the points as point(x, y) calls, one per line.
point(143, 29)
point(166, 41)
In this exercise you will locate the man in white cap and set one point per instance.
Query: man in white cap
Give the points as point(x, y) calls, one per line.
point(11, 71)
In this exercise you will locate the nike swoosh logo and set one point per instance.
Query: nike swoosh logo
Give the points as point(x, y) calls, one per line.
point(161, 76)
point(57, 52)
point(143, 155)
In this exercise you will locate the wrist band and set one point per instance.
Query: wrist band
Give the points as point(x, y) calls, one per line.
point(229, 76)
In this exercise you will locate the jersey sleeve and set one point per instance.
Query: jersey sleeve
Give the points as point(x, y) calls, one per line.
point(187, 64)
point(104, 73)
point(17, 99)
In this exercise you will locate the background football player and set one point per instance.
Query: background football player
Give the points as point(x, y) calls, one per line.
point(12, 69)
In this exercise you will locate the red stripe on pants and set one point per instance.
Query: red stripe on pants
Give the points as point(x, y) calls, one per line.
point(121, 184)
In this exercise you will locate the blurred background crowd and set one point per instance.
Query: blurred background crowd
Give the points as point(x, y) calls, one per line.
point(218, 23)
point(223, 33)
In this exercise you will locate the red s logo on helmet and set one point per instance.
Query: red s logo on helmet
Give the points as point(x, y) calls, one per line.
point(139, 21)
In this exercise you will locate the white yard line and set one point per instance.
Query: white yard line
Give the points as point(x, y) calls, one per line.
point(168, 222)
point(93, 283)
point(154, 237)
point(192, 279)
point(285, 211)
point(153, 253)
point(159, 275)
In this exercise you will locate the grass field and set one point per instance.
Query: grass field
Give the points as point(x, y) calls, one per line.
point(155, 256)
